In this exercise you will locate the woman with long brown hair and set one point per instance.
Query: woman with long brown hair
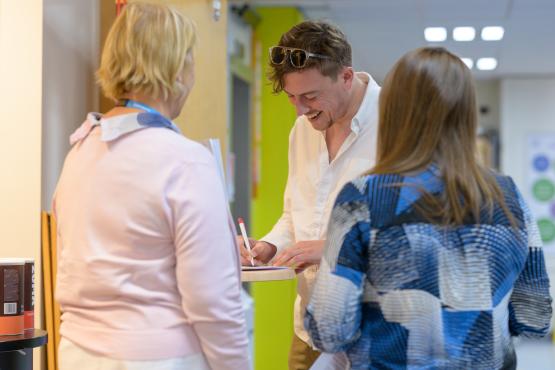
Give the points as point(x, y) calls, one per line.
point(431, 259)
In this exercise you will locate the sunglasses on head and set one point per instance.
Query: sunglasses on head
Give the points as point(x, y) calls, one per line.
point(297, 57)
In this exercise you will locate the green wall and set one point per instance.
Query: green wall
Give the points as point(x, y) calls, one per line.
point(273, 320)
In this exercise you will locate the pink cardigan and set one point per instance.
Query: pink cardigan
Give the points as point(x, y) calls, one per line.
point(148, 267)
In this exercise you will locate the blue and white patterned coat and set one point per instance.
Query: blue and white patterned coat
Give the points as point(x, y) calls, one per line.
point(395, 291)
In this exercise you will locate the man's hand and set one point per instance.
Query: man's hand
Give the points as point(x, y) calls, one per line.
point(262, 251)
point(301, 255)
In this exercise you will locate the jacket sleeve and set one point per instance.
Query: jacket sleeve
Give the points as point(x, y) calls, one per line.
point(530, 304)
point(207, 268)
point(282, 235)
point(333, 316)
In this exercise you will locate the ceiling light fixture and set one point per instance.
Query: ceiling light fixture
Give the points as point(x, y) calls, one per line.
point(492, 33)
point(435, 34)
point(486, 64)
point(469, 62)
point(464, 33)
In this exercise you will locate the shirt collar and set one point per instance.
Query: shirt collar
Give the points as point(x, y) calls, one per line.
point(114, 127)
point(367, 106)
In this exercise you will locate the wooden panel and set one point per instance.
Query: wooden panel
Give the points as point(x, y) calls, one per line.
point(205, 114)
point(107, 17)
point(51, 307)
point(54, 263)
point(206, 111)
point(48, 292)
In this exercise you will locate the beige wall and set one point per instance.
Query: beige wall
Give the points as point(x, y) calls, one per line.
point(107, 17)
point(20, 132)
point(205, 114)
point(70, 57)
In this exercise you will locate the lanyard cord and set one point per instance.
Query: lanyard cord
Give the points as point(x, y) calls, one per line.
point(135, 104)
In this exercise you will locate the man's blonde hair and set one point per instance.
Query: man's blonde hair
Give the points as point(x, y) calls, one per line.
point(145, 51)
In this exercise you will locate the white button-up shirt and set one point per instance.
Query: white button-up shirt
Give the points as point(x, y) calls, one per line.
point(313, 184)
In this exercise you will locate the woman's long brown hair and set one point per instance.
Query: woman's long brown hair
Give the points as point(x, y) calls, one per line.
point(427, 114)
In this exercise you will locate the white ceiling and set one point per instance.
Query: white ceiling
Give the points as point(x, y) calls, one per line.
point(380, 31)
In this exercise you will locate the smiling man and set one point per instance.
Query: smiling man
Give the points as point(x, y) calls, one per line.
point(332, 142)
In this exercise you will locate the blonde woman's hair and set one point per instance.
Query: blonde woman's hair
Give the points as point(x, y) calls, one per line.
point(145, 51)
point(427, 114)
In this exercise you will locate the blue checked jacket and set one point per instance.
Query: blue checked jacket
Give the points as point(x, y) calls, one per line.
point(397, 292)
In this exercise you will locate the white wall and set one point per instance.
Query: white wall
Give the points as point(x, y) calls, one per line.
point(20, 133)
point(527, 107)
point(71, 54)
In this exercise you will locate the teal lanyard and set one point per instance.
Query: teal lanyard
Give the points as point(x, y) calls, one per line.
point(155, 119)
point(135, 104)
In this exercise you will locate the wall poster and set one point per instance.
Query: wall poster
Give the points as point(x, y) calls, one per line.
point(540, 180)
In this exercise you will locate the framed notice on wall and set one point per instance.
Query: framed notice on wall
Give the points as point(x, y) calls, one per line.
point(541, 186)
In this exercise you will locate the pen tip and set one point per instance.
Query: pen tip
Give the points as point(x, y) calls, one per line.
point(240, 220)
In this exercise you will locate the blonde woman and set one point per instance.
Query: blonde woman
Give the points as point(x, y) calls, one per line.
point(432, 261)
point(148, 272)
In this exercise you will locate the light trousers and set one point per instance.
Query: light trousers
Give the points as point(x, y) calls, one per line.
point(301, 355)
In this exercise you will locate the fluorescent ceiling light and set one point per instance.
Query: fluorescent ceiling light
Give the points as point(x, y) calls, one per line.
point(469, 62)
point(486, 64)
point(464, 33)
point(492, 33)
point(435, 34)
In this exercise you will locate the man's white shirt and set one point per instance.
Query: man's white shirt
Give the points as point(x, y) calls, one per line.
point(313, 184)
